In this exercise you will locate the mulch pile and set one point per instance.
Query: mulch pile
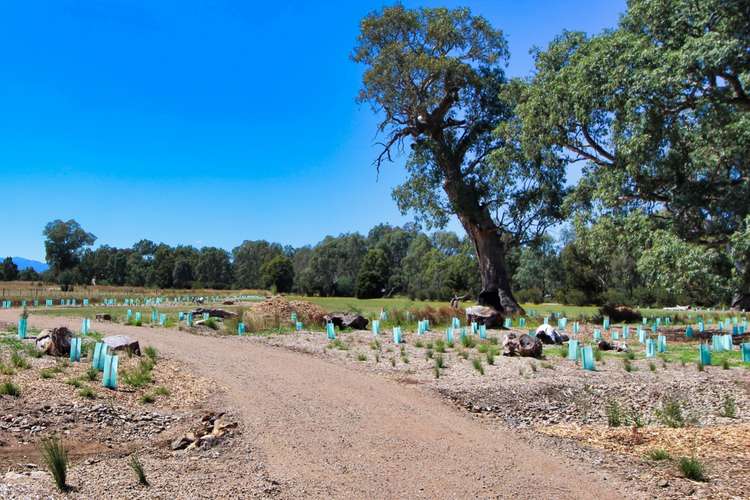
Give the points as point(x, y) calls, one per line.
point(281, 308)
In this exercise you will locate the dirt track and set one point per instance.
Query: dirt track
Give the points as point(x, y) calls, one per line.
point(326, 430)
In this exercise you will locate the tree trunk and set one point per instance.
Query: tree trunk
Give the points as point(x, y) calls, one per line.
point(488, 243)
point(490, 250)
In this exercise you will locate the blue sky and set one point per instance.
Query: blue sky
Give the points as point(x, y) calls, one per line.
point(207, 123)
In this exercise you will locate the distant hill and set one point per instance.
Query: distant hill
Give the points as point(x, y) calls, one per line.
point(34, 264)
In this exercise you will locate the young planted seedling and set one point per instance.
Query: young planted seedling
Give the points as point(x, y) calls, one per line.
point(137, 466)
point(692, 468)
point(729, 407)
point(614, 414)
point(55, 456)
point(477, 363)
point(658, 454)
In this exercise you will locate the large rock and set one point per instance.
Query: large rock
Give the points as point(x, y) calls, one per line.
point(215, 313)
point(525, 345)
point(620, 314)
point(548, 335)
point(55, 342)
point(347, 320)
point(123, 343)
point(484, 315)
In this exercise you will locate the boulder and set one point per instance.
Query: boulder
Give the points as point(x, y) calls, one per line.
point(123, 343)
point(347, 320)
point(484, 315)
point(103, 317)
point(548, 335)
point(525, 345)
point(214, 313)
point(603, 345)
point(55, 342)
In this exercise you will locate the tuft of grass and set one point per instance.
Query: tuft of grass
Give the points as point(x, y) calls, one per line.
point(440, 346)
point(670, 414)
point(627, 365)
point(725, 364)
point(692, 468)
point(490, 357)
point(635, 418)
point(161, 391)
point(6, 370)
point(55, 456)
point(151, 353)
point(74, 382)
point(46, 373)
point(393, 361)
point(140, 376)
point(729, 407)
point(33, 352)
point(338, 344)
point(483, 348)
point(450, 344)
point(137, 466)
point(361, 357)
point(652, 366)
point(630, 355)
point(614, 414)
point(428, 354)
point(211, 323)
point(147, 398)
point(658, 454)
point(92, 373)
point(19, 361)
point(439, 362)
point(8, 388)
point(418, 343)
point(463, 354)
point(477, 364)
point(598, 355)
point(548, 366)
point(467, 342)
point(377, 357)
point(700, 366)
point(87, 392)
point(436, 371)
point(375, 345)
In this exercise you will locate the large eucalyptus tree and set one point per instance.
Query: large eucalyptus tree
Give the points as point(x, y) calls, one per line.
point(435, 77)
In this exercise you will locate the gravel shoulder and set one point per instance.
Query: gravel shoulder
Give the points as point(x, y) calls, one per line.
point(325, 429)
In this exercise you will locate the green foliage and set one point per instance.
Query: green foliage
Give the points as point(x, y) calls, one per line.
point(8, 388)
point(278, 274)
point(692, 468)
point(19, 361)
point(151, 353)
point(658, 454)
point(63, 244)
point(139, 376)
point(147, 398)
point(137, 466)
point(361, 357)
point(55, 456)
point(87, 392)
point(74, 382)
point(161, 391)
point(670, 414)
point(729, 407)
point(439, 362)
point(373, 275)
point(477, 364)
point(92, 373)
point(614, 414)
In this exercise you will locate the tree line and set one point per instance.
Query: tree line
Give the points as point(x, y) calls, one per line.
point(586, 264)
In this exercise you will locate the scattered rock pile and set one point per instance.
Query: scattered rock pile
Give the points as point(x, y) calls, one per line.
point(211, 429)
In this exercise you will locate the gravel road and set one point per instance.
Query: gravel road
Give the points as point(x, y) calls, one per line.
point(329, 431)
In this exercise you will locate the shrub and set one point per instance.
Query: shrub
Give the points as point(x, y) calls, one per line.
point(8, 388)
point(529, 296)
point(692, 468)
point(729, 407)
point(55, 456)
point(658, 454)
point(670, 413)
point(137, 467)
point(87, 392)
point(614, 414)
